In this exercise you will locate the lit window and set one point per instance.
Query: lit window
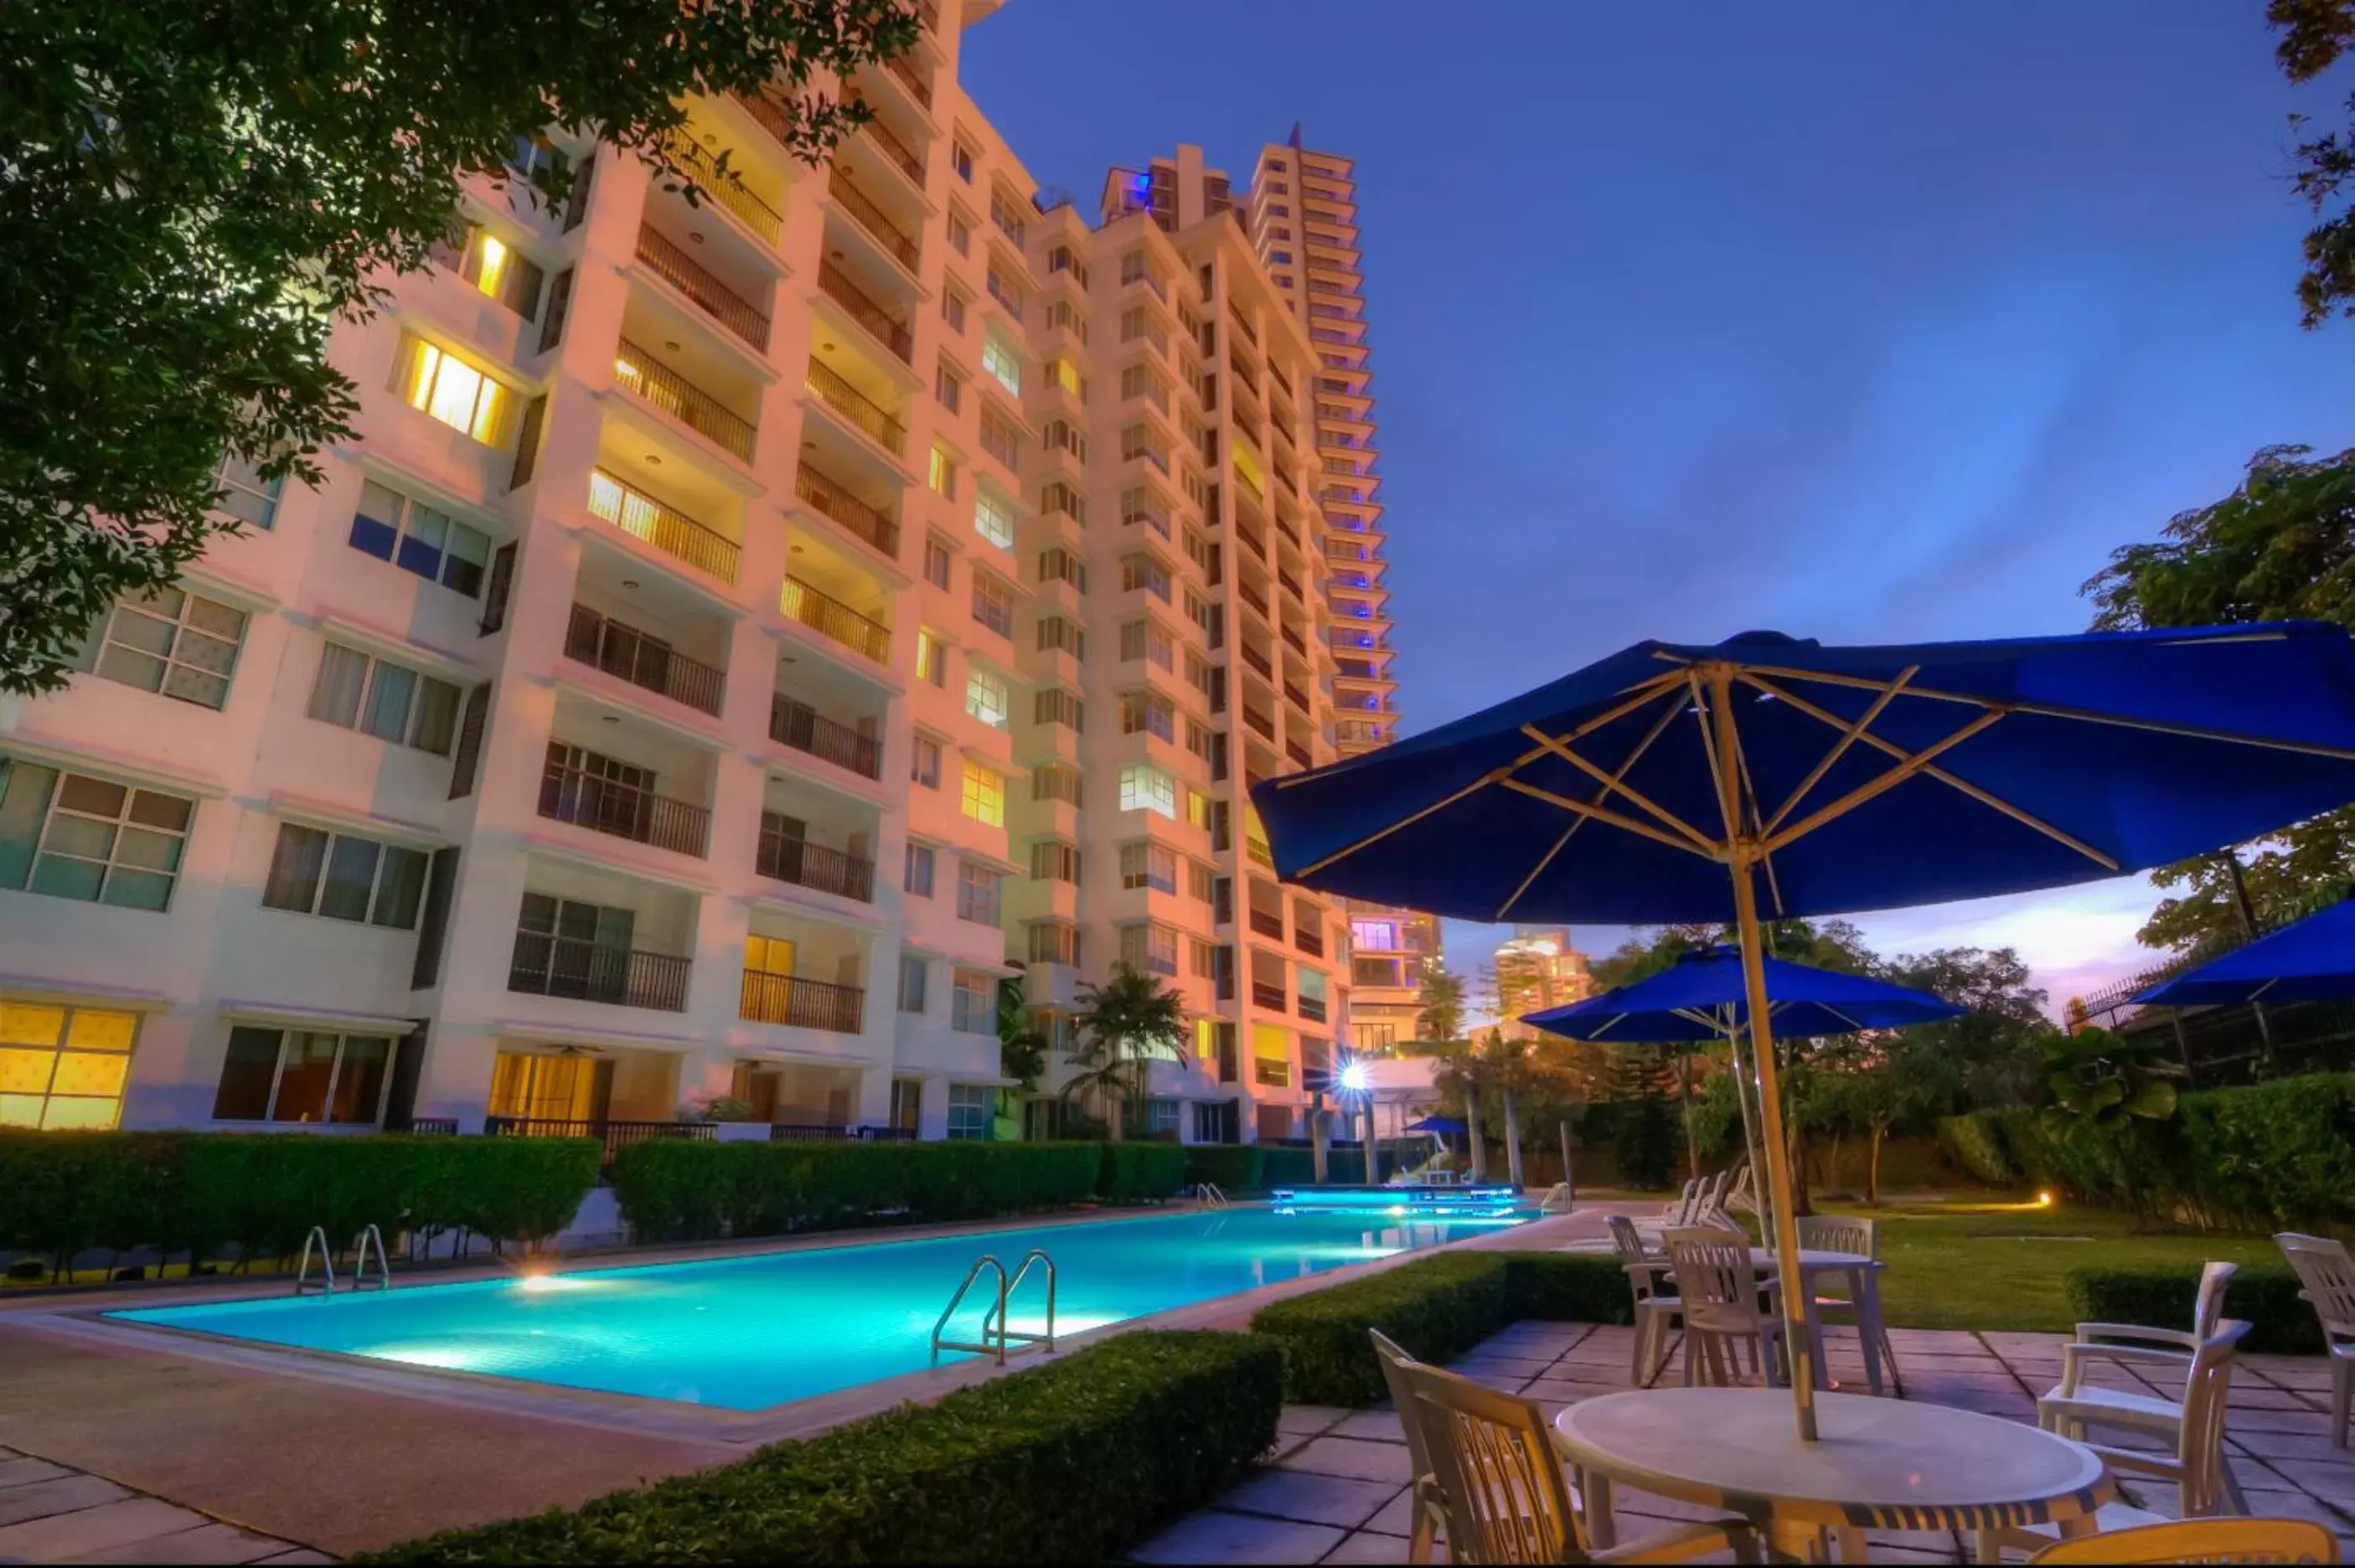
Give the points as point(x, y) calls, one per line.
point(1145, 789)
point(502, 273)
point(456, 393)
point(63, 1067)
point(932, 659)
point(1198, 808)
point(942, 475)
point(344, 877)
point(430, 543)
point(992, 518)
point(985, 696)
point(1065, 374)
point(1003, 363)
point(169, 641)
point(388, 701)
point(73, 836)
point(984, 794)
point(300, 1075)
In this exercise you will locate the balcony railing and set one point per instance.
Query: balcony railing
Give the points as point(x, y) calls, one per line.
point(641, 372)
point(837, 394)
point(847, 509)
point(1268, 922)
point(1308, 940)
point(1312, 1008)
point(549, 965)
point(615, 1136)
point(727, 189)
point(1291, 584)
point(802, 727)
point(1256, 660)
point(895, 150)
point(873, 219)
point(826, 1132)
point(889, 329)
point(1252, 596)
point(626, 811)
point(698, 284)
point(1267, 996)
point(667, 529)
point(1293, 694)
point(1271, 1074)
point(643, 661)
point(831, 618)
point(911, 78)
point(1299, 754)
point(817, 867)
point(1293, 641)
point(803, 1004)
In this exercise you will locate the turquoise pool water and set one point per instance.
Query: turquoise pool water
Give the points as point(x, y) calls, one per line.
point(746, 1332)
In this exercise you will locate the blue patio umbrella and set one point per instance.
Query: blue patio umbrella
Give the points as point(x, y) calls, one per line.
point(2313, 960)
point(1678, 782)
point(1434, 1123)
point(1703, 996)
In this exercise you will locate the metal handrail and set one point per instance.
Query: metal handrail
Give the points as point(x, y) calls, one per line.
point(641, 374)
point(383, 1267)
point(832, 619)
point(326, 1285)
point(726, 187)
point(665, 527)
point(835, 500)
point(986, 1260)
point(703, 287)
point(886, 328)
point(872, 219)
point(1037, 1254)
point(623, 651)
point(996, 1336)
point(1208, 1192)
point(836, 393)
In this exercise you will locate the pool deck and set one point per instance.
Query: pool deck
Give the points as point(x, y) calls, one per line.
point(341, 1454)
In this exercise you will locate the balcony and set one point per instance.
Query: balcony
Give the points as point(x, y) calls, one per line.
point(830, 617)
point(803, 1003)
point(892, 148)
point(642, 660)
point(1295, 696)
point(1293, 641)
point(667, 529)
point(547, 965)
point(911, 78)
point(1300, 754)
point(641, 374)
point(1252, 596)
point(614, 1135)
point(869, 417)
point(783, 857)
point(1311, 1008)
point(1271, 997)
point(802, 727)
point(873, 219)
point(605, 805)
point(832, 499)
point(703, 287)
point(1292, 584)
point(1268, 922)
point(1270, 1073)
point(1256, 660)
point(1307, 939)
point(886, 328)
point(726, 189)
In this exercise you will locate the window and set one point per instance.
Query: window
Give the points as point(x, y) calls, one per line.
point(342, 876)
point(1063, 314)
point(63, 1067)
point(1152, 948)
point(503, 273)
point(171, 642)
point(1060, 635)
point(1147, 864)
point(1056, 781)
point(1144, 639)
point(1003, 363)
point(960, 233)
point(73, 836)
point(936, 561)
point(1150, 712)
point(1005, 210)
point(971, 1108)
point(993, 603)
point(245, 495)
point(1059, 565)
point(1202, 881)
point(461, 396)
point(1057, 496)
point(953, 304)
point(1058, 435)
point(984, 794)
point(1147, 789)
point(913, 971)
point(1001, 435)
point(1202, 959)
point(924, 762)
point(1061, 260)
point(1198, 672)
point(418, 538)
point(1197, 739)
point(942, 473)
point(992, 518)
point(931, 657)
point(961, 161)
point(986, 696)
point(1056, 706)
point(1004, 291)
point(973, 1007)
point(1198, 809)
point(1065, 374)
point(1054, 860)
point(916, 881)
point(976, 893)
point(948, 386)
point(1055, 942)
point(303, 1075)
point(1145, 572)
point(388, 701)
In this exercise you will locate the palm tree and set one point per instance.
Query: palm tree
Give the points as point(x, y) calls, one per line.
point(1122, 1027)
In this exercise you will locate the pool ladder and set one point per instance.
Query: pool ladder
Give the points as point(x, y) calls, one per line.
point(995, 1329)
point(372, 1244)
point(1208, 1192)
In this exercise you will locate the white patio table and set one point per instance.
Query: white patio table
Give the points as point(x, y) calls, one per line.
point(1863, 1287)
point(1880, 1463)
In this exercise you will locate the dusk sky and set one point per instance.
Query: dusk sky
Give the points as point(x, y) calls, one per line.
point(1868, 323)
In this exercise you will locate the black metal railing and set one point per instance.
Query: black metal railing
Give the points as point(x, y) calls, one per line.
point(889, 330)
point(839, 395)
point(847, 509)
point(581, 971)
point(803, 1003)
point(1268, 996)
point(1308, 940)
point(727, 187)
point(614, 1135)
point(667, 529)
point(818, 1133)
point(796, 723)
point(700, 284)
point(816, 866)
point(643, 661)
point(895, 150)
point(625, 811)
point(915, 84)
point(426, 1126)
point(1312, 1008)
point(1268, 922)
point(639, 372)
point(873, 219)
point(829, 617)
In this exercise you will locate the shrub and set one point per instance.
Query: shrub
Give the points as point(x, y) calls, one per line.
point(197, 1193)
point(1647, 1143)
point(1141, 1173)
point(1974, 1143)
point(1071, 1462)
point(678, 1190)
point(2162, 1298)
point(1436, 1308)
point(1233, 1168)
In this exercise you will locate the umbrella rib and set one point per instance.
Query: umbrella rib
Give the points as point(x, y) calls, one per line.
point(1580, 808)
point(1875, 787)
point(1660, 724)
point(1839, 749)
point(1993, 802)
point(1617, 781)
point(1750, 812)
point(2054, 710)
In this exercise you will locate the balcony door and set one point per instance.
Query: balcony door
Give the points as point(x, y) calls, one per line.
point(583, 949)
point(551, 1088)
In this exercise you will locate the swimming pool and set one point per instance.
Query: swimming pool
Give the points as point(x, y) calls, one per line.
point(747, 1332)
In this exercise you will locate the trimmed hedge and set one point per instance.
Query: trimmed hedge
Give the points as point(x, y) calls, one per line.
point(2163, 1298)
point(1072, 1462)
point(1233, 1168)
point(1974, 1143)
point(1436, 1308)
point(201, 1192)
point(1141, 1173)
point(677, 1190)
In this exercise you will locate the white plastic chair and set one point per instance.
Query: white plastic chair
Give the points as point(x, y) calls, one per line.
point(1841, 1233)
point(2194, 1426)
point(1724, 1310)
point(2328, 1274)
point(1657, 1306)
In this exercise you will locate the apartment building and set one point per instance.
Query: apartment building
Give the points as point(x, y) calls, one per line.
point(1536, 969)
point(742, 632)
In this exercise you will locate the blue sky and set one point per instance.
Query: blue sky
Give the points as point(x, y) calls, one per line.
point(1861, 322)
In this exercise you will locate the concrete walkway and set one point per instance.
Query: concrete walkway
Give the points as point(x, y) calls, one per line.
point(1335, 1490)
point(49, 1513)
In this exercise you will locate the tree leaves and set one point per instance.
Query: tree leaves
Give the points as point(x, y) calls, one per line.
point(2315, 33)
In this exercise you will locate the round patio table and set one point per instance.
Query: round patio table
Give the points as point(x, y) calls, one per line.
point(1863, 1289)
point(1880, 1463)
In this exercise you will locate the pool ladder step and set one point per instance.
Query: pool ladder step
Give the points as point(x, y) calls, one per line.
point(369, 1246)
point(1208, 1192)
point(996, 1332)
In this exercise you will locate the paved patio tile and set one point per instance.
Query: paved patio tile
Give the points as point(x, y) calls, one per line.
point(19, 1471)
point(2335, 1483)
point(1354, 1457)
point(300, 1555)
point(1341, 1500)
point(1567, 1391)
point(1304, 1420)
point(2247, 1394)
point(2278, 1445)
point(1372, 1427)
point(66, 1494)
point(1366, 1546)
point(1936, 1338)
point(1395, 1518)
point(2306, 1376)
point(61, 1536)
point(1485, 1367)
point(1212, 1536)
point(208, 1542)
